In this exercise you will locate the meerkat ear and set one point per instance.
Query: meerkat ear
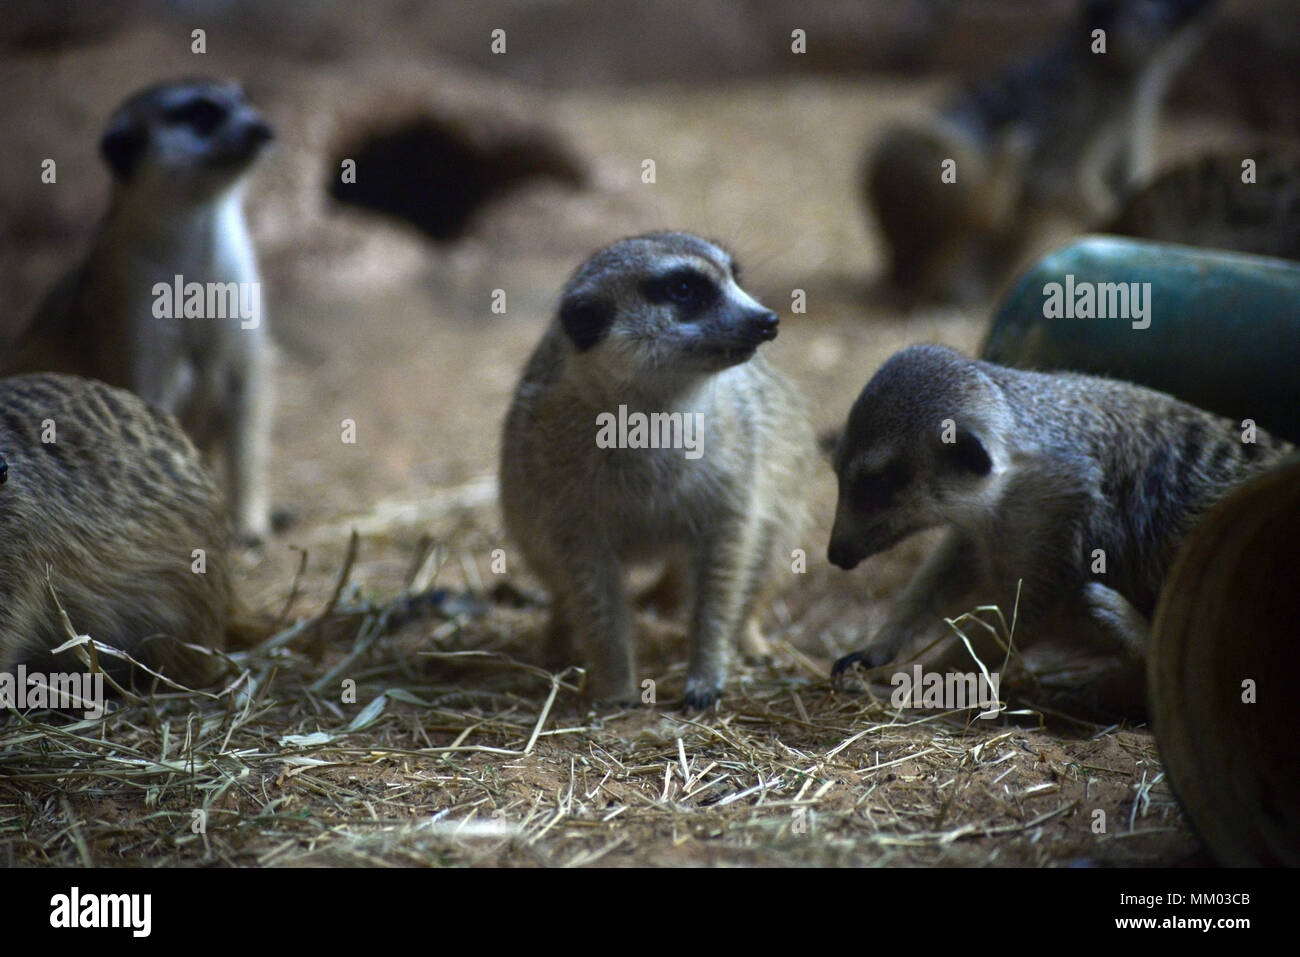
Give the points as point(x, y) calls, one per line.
point(585, 321)
point(969, 454)
point(122, 147)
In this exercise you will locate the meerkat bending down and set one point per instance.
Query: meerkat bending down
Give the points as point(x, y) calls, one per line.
point(1083, 488)
point(168, 302)
point(655, 333)
point(109, 495)
point(1065, 133)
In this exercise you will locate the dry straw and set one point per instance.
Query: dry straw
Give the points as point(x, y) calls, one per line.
point(455, 750)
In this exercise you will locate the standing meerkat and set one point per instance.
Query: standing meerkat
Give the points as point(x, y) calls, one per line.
point(110, 495)
point(1037, 476)
point(1065, 133)
point(654, 332)
point(179, 154)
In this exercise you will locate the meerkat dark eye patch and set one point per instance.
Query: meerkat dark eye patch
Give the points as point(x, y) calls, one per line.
point(585, 321)
point(200, 114)
point(969, 455)
point(875, 488)
point(123, 147)
point(686, 288)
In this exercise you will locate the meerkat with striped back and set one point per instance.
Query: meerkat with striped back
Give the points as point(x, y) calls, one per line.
point(109, 495)
point(1246, 201)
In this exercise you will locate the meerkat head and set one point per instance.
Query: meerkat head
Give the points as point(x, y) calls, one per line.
point(924, 446)
point(192, 138)
point(665, 306)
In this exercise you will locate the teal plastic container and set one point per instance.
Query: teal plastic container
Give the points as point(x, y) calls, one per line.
point(1218, 330)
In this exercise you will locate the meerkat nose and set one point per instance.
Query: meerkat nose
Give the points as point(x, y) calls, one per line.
point(764, 325)
point(259, 131)
point(842, 555)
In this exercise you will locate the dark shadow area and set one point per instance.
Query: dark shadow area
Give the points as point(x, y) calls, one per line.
point(433, 176)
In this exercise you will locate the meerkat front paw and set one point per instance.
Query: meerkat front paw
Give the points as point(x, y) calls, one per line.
point(701, 693)
point(880, 651)
point(868, 659)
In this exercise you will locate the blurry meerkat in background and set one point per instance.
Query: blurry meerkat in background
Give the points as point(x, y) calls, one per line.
point(109, 494)
point(1032, 473)
point(179, 154)
point(1208, 203)
point(655, 326)
point(1068, 132)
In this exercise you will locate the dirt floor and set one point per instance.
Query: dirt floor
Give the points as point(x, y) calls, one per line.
point(455, 749)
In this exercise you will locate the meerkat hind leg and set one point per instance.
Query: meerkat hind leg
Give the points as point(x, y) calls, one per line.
point(1116, 618)
point(1104, 617)
point(557, 652)
point(753, 646)
point(162, 375)
point(723, 599)
point(248, 443)
point(599, 618)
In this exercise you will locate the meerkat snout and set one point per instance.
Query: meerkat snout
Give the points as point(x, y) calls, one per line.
point(190, 139)
point(761, 326)
point(680, 314)
point(915, 454)
point(655, 329)
point(879, 505)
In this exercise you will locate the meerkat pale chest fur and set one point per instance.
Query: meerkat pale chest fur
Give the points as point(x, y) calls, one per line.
point(654, 333)
point(110, 495)
point(179, 154)
point(1081, 487)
